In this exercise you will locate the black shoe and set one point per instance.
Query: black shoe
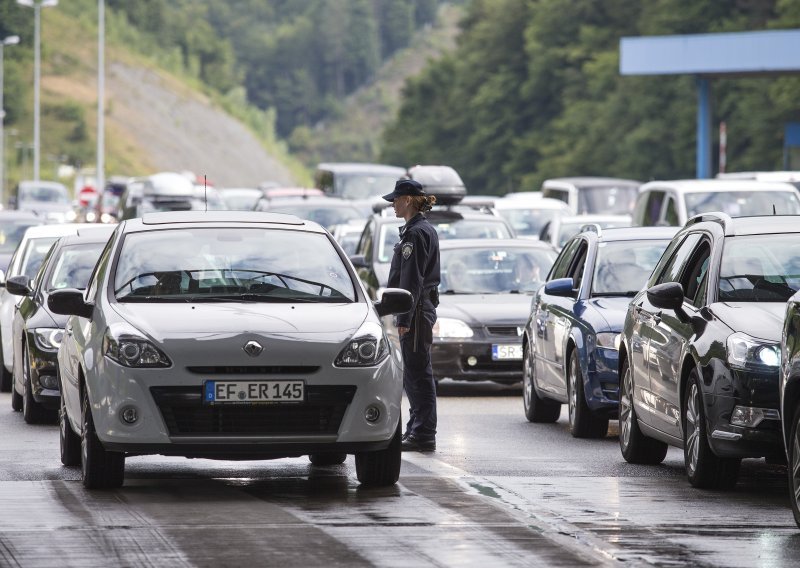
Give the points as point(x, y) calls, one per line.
point(413, 444)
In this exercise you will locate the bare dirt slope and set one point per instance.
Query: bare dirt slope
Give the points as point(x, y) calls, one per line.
point(178, 129)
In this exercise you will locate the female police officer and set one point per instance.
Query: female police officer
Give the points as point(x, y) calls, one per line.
point(415, 267)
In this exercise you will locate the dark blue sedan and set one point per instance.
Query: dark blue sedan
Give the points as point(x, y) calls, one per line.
point(571, 340)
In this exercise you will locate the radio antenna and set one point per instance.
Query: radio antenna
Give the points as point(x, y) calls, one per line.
point(205, 190)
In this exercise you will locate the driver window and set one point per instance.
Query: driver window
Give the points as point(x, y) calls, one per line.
point(94, 280)
point(695, 278)
point(563, 261)
point(365, 242)
point(672, 270)
point(671, 213)
point(577, 268)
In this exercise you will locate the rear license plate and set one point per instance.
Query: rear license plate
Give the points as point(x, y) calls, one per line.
point(253, 392)
point(506, 352)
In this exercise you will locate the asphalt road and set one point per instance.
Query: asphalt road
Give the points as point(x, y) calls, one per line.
point(498, 492)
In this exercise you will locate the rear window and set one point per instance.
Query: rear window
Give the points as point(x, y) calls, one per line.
point(743, 203)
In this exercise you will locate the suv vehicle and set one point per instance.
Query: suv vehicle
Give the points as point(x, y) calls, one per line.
point(571, 340)
point(671, 203)
point(589, 195)
point(356, 181)
point(49, 199)
point(165, 191)
point(700, 351)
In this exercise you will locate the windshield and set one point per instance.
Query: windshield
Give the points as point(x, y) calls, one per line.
point(528, 222)
point(363, 186)
point(569, 229)
point(236, 264)
point(34, 253)
point(608, 200)
point(47, 194)
point(623, 267)
point(743, 203)
point(325, 215)
point(760, 268)
point(161, 205)
point(493, 270)
point(241, 201)
point(74, 266)
point(11, 233)
point(489, 228)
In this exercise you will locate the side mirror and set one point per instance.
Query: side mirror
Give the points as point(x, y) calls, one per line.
point(394, 301)
point(359, 261)
point(69, 302)
point(667, 296)
point(19, 285)
point(560, 287)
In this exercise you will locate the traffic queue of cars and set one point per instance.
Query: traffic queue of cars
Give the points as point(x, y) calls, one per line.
point(680, 321)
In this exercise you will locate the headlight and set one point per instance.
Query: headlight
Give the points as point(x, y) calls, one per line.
point(91, 217)
point(608, 340)
point(70, 216)
point(48, 338)
point(745, 352)
point(451, 328)
point(125, 346)
point(367, 347)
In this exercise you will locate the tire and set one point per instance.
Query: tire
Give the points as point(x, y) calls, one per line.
point(6, 380)
point(583, 423)
point(327, 459)
point(536, 409)
point(70, 441)
point(32, 411)
point(794, 466)
point(100, 469)
point(381, 468)
point(16, 399)
point(703, 468)
point(635, 446)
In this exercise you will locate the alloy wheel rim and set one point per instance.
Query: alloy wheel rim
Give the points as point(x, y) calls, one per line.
point(796, 467)
point(626, 409)
point(573, 394)
point(527, 381)
point(692, 429)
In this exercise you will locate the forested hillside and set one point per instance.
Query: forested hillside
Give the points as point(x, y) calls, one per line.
point(533, 91)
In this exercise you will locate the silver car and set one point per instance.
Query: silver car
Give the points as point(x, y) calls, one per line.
point(227, 335)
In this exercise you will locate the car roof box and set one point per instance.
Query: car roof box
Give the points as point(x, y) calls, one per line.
point(440, 181)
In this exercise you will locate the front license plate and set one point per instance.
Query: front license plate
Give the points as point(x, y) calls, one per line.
point(252, 392)
point(506, 352)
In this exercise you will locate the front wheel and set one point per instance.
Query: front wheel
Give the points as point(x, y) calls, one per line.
point(537, 409)
point(381, 468)
point(6, 379)
point(794, 466)
point(583, 423)
point(635, 446)
point(100, 468)
point(703, 468)
point(70, 442)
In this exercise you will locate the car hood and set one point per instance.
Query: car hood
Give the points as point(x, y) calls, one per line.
point(763, 320)
point(305, 322)
point(485, 309)
point(611, 310)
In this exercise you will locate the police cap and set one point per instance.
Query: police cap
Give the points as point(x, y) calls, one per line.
point(405, 187)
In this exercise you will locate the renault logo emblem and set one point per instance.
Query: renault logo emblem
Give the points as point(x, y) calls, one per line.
point(253, 348)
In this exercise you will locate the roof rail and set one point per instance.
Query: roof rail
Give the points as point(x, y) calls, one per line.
point(592, 227)
point(716, 216)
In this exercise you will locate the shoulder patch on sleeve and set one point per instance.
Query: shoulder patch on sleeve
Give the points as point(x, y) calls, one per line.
point(408, 248)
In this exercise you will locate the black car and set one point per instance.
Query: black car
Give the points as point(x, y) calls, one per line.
point(373, 256)
point(700, 352)
point(572, 336)
point(37, 332)
point(790, 395)
point(485, 295)
point(327, 211)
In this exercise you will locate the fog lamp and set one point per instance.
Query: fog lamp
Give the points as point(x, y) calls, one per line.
point(472, 360)
point(751, 417)
point(48, 382)
point(372, 414)
point(129, 415)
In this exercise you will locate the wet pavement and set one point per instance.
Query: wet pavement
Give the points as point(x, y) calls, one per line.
point(499, 491)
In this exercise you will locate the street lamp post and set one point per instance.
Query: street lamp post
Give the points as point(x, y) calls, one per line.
point(101, 78)
point(10, 40)
point(37, 6)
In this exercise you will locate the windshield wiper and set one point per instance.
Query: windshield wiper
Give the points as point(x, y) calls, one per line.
point(163, 299)
point(628, 294)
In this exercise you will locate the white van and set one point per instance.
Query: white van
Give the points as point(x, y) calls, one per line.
point(593, 195)
point(671, 203)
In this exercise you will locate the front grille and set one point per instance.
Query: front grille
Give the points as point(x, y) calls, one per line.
point(504, 330)
point(254, 370)
point(185, 414)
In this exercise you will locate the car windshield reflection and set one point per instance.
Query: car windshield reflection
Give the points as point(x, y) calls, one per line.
point(623, 267)
point(760, 268)
point(493, 270)
point(185, 265)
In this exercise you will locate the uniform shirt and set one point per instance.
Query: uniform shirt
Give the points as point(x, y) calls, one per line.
point(415, 264)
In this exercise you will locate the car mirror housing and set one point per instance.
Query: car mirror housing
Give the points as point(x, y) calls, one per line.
point(69, 302)
point(394, 301)
point(560, 287)
point(667, 296)
point(19, 285)
point(358, 261)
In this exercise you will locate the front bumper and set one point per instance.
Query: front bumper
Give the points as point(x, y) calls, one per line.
point(602, 389)
point(450, 359)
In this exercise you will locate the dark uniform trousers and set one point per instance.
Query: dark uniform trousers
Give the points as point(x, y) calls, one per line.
point(418, 379)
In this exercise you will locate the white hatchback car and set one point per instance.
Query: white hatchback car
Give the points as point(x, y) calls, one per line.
point(227, 335)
